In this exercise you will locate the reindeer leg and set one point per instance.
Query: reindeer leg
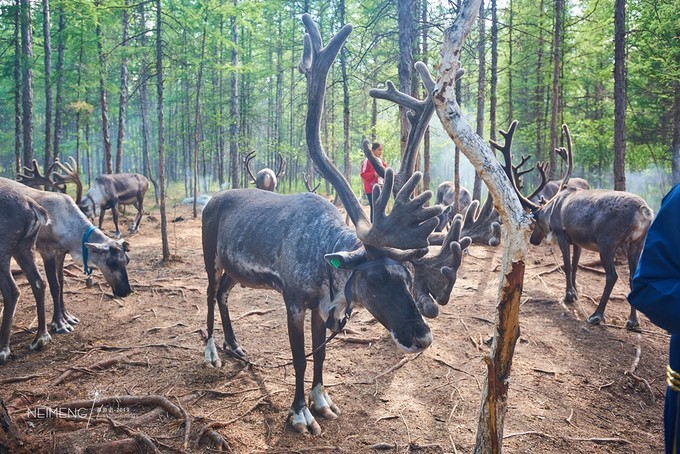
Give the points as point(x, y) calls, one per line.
point(10, 295)
point(301, 418)
point(70, 318)
point(570, 294)
point(26, 261)
point(211, 357)
point(59, 323)
point(140, 212)
point(318, 397)
point(634, 251)
point(114, 211)
point(575, 257)
point(607, 258)
point(230, 342)
point(102, 212)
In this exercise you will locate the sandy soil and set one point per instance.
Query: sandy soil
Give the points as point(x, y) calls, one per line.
point(570, 389)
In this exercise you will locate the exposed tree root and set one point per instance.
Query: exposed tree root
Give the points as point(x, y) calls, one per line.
point(6, 381)
point(75, 371)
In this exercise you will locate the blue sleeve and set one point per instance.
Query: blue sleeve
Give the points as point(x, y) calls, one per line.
point(656, 282)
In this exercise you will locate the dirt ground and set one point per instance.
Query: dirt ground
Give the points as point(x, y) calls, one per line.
point(571, 390)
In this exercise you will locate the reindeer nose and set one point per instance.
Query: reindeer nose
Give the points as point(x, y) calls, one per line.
point(422, 342)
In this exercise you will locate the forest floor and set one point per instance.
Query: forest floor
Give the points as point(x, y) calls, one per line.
point(571, 389)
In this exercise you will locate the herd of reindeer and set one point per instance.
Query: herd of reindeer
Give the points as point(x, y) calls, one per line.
point(400, 267)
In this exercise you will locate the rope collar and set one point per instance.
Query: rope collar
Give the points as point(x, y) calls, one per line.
point(86, 236)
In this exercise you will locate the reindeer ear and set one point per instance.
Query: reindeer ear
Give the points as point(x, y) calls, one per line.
point(124, 244)
point(97, 247)
point(346, 260)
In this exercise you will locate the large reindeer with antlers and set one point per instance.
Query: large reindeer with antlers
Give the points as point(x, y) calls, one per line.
point(599, 220)
point(266, 179)
point(313, 258)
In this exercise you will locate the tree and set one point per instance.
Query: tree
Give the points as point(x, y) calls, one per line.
point(59, 104)
point(557, 41)
point(481, 90)
point(17, 87)
point(620, 95)
point(161, 130)
point(27, 81)
point(104, 105)
point(123, 88)
point(197, 118)
point(233, 110)
point(47, 45)
point(406, 35)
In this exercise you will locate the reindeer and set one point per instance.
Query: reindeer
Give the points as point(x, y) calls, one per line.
point(110, 191)
point(20, 222)
point(446, 195)
point(308, 179)
point(299, 245)
point(552, 187)
point(599, 220)
point(266, 179)
point(70, 232)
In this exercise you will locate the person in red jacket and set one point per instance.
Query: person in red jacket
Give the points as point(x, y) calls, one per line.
point(369, 175)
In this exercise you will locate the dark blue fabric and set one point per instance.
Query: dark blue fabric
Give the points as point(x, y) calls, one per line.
point(656, 293)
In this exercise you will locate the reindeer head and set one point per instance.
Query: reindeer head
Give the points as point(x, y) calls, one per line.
point(378, 280)
point(111, 258)
point(265, 179)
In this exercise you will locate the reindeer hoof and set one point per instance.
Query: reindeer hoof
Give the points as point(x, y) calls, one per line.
point(61, 326)
point(4, 355)
point(235, 348)
point(303, 421)
point(595, 319)
point(210, 356)
point(117, 235)
point(633, 325)
point(322, 403)
point(71, 319)
point(40, 341)
point(569, 298)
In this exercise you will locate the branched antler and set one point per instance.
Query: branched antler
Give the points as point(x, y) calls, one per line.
point(70, 175)
point(33, 178)
point(282, 166)
point(246, 161)
point(308, 183)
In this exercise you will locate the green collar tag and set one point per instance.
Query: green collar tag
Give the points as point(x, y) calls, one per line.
point(336, 263)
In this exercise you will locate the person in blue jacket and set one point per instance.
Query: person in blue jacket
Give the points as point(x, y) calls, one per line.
point(656, 293)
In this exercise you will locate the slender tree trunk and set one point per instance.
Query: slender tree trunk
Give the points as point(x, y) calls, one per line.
point(345, 97)
point(538, 101)
point(405, 65)
point(144, 101)
point(47, 46)
point(197, 119)
point(493, 98)
point(481, 90)
point(17, 87)
point(123, 90)
point(620, 95)
point(374, 119)
point(59, 104)
point(510, 29)
point(161, 132)
point(516, 229)
point(88, 151)
point(233, 109)
point(675, 152)
point(557, 44)
point(102, 96)
point(27, 80)
point(426, 137)
point(79, 112)
point(278, 136)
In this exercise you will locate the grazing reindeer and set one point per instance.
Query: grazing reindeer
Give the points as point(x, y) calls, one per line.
point(110, 191)
point(266, 179)
point(19, 225)
point(70, 232)
point(595, 219)
point(305, 251)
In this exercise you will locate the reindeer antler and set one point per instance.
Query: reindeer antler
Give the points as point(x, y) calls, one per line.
point(282, 165)
point(542, 169)
point(33, 178)
point(70, 175)
point(308, 183)
point(246, 160)
point(409, 223)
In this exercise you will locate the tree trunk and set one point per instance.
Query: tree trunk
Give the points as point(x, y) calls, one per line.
point(161, 137)
point(123, 90)
point(102, 95)
point(345, 96)
point(510, 106)
point(27, 80)
point(557, 44)
point(17, 87)
point(516, 225)
point(481, 90)
point(233, 108)
point(675, 152)
point(426, 137)
point(197, 119)
point(620, 95)
point(47, 46)
point(374, 118)
point(405, 65)
point(538, 100)
point(493, 98)
point(59, 104)
point(144, 101)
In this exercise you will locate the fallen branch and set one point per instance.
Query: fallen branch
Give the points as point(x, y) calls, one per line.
point(384, 446)
point(159, 328)
point(6, 381)
point(75, 371)
point(358, 340)
point(121, 401)
point(399, 365)
point(592, 270)
point(593, 440)
point(255, 312)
